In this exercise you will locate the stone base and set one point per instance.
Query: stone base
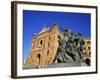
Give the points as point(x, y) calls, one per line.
point(71, 64)
point(57, 65)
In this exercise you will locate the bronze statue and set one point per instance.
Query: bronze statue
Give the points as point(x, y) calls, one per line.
point(70, 47)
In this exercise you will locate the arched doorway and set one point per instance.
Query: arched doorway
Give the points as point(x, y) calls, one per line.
point(87, 61)
point(38, 59)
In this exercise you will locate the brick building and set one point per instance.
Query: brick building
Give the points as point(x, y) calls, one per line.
point(43, 48)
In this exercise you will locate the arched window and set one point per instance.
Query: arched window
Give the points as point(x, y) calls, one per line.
point(84, 48)
point(49, 38)
point(88, 42)
point(48, 52)
point(89, 48)
point(89, 53)
point(49, 44)
point(40, 43)
point(85, 53)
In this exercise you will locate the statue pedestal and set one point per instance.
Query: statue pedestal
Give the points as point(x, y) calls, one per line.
point(70, 64)
point(57, 65)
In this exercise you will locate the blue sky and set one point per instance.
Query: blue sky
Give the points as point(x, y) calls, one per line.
point(33, 22)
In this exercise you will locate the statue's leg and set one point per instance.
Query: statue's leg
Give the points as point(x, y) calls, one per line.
point(59, 61)
point(77, 58)
point(59, 57)
point(81, 56)
point(67, 58)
